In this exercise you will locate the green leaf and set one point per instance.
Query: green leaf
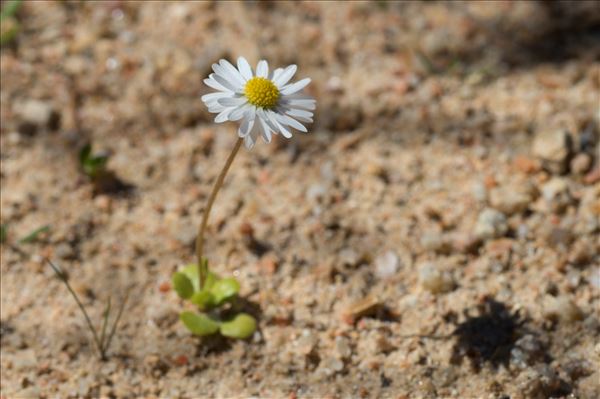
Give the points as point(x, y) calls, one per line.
point(8, 30)
point(204, 300)
point(95, 166)
point(191, 271)
point(92, 165)
point(3, 232)
point(199, 324)
point(85, 153)
point(31, 237)
point(182, 285)
point(10, 9)
point(242, 326)
point(225, 289)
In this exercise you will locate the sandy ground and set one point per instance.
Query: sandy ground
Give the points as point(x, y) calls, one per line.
point(435, 235)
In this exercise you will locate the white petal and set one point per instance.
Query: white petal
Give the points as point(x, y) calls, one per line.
point(295, 87)
point(299, 96)
point(211, 82)
point(224, 115)
point(232, 101)
point(285, 132)
point(226, 83)
point(249, 142)
point(275, 73)
point(238, 113)
point(251, 138)
point(268, 118)
point(262, 69)
point(216, 108)
point(305, 104)
point(244, 68)
point(224, 72)
point(285, 76)
point(215, 96)
point(233, 71)
point(305, 116)
point(266, 130)
point(245, 127)
point(286, 120)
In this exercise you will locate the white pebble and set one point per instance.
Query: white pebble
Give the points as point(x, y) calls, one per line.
point(386, 265)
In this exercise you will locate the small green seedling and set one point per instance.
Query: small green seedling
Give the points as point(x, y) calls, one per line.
point(217, 300)
point(3, 232)
point(93, 165)
point(33, 236)
point(9, 26)
point(103, 340)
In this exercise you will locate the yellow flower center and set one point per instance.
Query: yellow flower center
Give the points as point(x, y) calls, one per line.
point(261, 92)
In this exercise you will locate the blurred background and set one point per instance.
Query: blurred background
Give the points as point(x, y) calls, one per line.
point(448, 186)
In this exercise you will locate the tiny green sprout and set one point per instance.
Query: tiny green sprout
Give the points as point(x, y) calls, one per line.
point(93, 165)
point(9, 26)
point(33, 236)
point(3, 232)
point(10, 9)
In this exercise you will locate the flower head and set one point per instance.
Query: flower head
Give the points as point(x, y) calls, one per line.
point(264, 102)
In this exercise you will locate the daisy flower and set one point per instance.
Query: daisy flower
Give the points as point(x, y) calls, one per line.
point(264, 102)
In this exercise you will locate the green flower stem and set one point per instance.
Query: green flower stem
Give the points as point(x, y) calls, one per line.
point(203, 271)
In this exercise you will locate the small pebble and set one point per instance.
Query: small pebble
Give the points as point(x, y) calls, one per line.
point(363, 307)
point(479, 191)
point(581, 163)
point(553, 149)
point(511, 199)
point(592, 177)
point(526, 165)
point(594, 279)
point(434, 280)
point(348, 257)
point(561, 308)
point(491, 224)
point(331, 365)
point(527, 350)
point(342, 347)
point(435, 242)
point(306, 342)
point(37, 113)
point(578, 368)
point(316, 191)
point(581, 252)
point(64, 251)
point(386, 265)
point(556, 194)
point(103, 202)
point(559, 238)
